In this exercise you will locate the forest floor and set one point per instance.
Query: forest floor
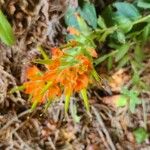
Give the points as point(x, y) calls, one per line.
point(106, 128)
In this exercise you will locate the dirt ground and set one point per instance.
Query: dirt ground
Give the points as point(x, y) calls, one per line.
point(39, 22)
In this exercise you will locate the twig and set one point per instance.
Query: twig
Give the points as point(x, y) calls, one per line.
point(103, 138)
point(22, 142)
point(101, 123)
point(13, 120)
point(51, 143)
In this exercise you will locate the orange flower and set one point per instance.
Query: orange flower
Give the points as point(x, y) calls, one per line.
point(50, 75)
point(81, 82)
point(56, 52)
point(34, 88)
point(47, 85)
point(33, 73)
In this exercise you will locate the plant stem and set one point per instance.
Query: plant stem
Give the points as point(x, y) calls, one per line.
point(141, 20)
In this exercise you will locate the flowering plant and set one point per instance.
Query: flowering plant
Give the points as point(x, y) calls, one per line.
point(69, 70)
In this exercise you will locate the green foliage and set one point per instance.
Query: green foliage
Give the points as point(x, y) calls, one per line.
point(140, 135)
point(6, 32)
point(143, 4)
point(129, 97)
point(73, 111)
point(123, 101)
point(88, 13)
point(121, 14)
point(85, 99)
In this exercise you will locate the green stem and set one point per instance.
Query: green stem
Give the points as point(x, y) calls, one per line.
point(141, 20)
point(42, 52)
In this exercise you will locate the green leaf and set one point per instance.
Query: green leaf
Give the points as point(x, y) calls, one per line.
point(101, 22)
point(34, 105)
point(140, 135)
point(143, 4)
point(67, 101)
point(89, 14)
point(95, 75)
point(123, 101)
point(123, 61)
point(73, 110)
point(43, 61)
point(128, 10)
point(135, 78)
point(83, 27)
point(6, 32)
point(103, 58)
point(139, 54)
point(134, 100)
point(146, 33)
point(121, 37)
point(17, 88)
point(122, 50)
point(41, 50)
point(70, 18)
point(122, 14)
point(85, 99)
point(124, 23)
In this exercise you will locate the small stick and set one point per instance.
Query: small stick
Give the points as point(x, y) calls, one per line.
point(101, 123)
point(14, 119)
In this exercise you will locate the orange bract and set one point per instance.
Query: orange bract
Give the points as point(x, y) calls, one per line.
point(33, 73)
point(52, 83)
point(73, 31)
point(56, 52)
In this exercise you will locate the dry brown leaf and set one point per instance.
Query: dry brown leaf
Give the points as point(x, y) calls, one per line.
point(111, 100)
point(118, 79)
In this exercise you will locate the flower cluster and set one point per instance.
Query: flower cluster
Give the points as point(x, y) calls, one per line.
point(64, 74)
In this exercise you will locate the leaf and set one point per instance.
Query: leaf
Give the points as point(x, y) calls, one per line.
point(122, 50)
point(139, 54)
point(83, 27)
point(125, 60)
point(136, 78)
point(67, 101)
point(146, 33)
point(73, 110)
point(121, 37)
point(43, 61)
point(140, 135)
point(128, 10)
point(101, 22)
point(70, 18)
point(124, 23)
point(49, 102)
point(103, 58)
point(95, 75)
point(122, 14)
point(41, 50)
point(143, 4)
point(133, 98)
point(123, 101)
point(6, 32)
point(134, 101)
point(85, 99)
point(34, 105)
point(17, 88)
point(89, 14)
